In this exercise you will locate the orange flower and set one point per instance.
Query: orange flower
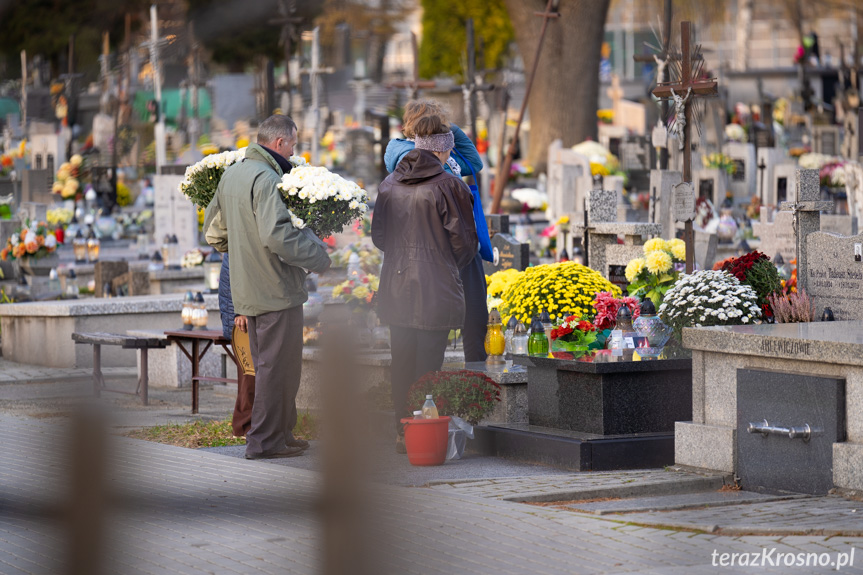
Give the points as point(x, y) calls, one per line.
point(19, 250)
point(40, 240)
point(6, 161)
point(31, 247)
point(4, 254)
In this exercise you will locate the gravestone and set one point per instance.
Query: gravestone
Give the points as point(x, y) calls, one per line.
point(712, 184)
point(835, 274)
point(768, 160)
point(611, 136)
point(826, 140)
point(662, 183)
point(807, 220)
point(508, 252)
point(603, 250)
point(33, 211)
point(131, 283)
point(36, 186)
point(105, 272)
point(569, 180)
point(103, 132)
point(360, 156)
point(173, 213)
point(743, 181)
point(776, 237)
point(636, 154)
point(705, 249)
point(841, 225)
point(7, 228)
point(783, 189)
point(47, 151)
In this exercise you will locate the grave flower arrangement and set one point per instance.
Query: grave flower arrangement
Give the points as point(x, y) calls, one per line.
point(67, 180)
point(574, 335)
point(653, 275)
point(563, 288)
point(832, 175)
point(735, 133)
point(497, 283)
point(720, 160)
point(706, 298)
point(321, 200)
point(607, 306)
point(202, 178)
point(793, 307)
point(756, 270)
point(466, 394)
point(358, 294)
point(192, 258)
point(30, 241)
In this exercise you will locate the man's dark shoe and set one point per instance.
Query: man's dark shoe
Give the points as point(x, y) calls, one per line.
point(286, 452)
point(294, 442)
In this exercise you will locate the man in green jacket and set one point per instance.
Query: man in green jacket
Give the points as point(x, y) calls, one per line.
point(269, 259)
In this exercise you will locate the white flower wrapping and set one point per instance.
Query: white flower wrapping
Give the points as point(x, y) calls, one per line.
point(707, 298)
point(321, 199)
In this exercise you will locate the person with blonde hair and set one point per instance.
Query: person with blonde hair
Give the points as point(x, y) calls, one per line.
point(464, 160)
point(423, 222)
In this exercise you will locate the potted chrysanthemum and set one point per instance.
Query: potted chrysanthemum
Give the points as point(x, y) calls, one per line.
point(653, 275)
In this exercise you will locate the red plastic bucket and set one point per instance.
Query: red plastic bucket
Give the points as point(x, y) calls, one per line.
point(426, 440)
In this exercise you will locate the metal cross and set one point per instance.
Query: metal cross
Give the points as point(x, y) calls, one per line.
point(690, 88)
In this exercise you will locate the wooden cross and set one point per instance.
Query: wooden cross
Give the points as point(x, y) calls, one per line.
point(686, 88)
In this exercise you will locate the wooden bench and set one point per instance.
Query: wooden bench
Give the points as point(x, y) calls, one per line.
point(197, 337)
point(97, 340)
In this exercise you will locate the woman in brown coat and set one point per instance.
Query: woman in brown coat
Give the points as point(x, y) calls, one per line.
point(423, 222)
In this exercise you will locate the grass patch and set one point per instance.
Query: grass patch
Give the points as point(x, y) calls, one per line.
point(206, 433)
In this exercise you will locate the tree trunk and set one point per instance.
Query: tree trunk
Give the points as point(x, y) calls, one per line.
point(565, 93)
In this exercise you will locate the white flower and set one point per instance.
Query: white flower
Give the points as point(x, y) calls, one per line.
point(14, 239)
point(297, 222)
point(353, 205)
point(745, 319)
point(50, 241)
point(30, 237)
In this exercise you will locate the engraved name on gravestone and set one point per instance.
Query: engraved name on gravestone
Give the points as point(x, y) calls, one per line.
point(835, 274)
point(508, 252)
point(684, 202)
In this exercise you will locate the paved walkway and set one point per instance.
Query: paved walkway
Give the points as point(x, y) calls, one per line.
point(192, 512)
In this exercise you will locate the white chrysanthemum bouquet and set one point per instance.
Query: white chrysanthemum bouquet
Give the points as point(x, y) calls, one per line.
point(202, 179)
point(706, 298)
point(321, 200)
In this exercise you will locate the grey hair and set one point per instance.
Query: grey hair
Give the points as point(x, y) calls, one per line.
point(275, 127)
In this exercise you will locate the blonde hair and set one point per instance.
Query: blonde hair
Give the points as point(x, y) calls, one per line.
point(417, 110)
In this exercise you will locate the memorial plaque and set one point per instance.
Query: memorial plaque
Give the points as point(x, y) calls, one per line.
point(684, 202)
point(835, 274)
point(617, 276)
point(740, 171)
point(660, 136)
point(508, 253)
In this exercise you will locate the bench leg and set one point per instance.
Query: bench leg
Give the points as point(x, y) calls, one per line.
point(98, 380)
point(195, 369)
point(143, 378)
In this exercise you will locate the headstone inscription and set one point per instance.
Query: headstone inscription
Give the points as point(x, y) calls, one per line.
point(684, 202)
point(835, 274)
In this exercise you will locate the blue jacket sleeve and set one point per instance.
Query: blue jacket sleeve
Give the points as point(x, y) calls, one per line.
point(396, 150)
point(466, 148)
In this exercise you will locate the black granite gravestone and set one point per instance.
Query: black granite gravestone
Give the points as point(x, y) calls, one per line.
point(509, 253)
point(617, 276)
point(774, 404)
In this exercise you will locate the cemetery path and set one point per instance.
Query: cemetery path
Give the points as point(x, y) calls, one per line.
point(176, 510)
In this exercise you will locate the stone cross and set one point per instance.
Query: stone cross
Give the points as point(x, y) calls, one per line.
point(807, 217)
point(688, 88)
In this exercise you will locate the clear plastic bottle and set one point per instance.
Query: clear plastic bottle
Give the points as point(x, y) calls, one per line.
point(418, 414)
point(430, 409)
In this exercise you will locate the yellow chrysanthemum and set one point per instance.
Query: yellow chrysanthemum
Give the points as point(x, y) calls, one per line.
point(633, 268)
point(678, 248)
point(656, 244)
point(658, 262)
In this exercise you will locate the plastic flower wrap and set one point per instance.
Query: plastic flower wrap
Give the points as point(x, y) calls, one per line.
point(563, 288)
point(322, 200)
point(707, 298)
point(653, 275)
point(573, 334)
point(202, 178)
point(31, 240)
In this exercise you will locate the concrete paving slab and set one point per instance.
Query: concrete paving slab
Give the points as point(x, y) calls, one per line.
point(708, 499)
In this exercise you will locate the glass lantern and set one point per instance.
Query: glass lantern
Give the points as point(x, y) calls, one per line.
point(79, 246)
point(495, 343)
point(519, 340)
point(93, 246)
point(650, 326)
point(199, 314)
point(537, 343)
point(212, 271)
point(165, 250)
point(71, 285)
point(188, 310)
